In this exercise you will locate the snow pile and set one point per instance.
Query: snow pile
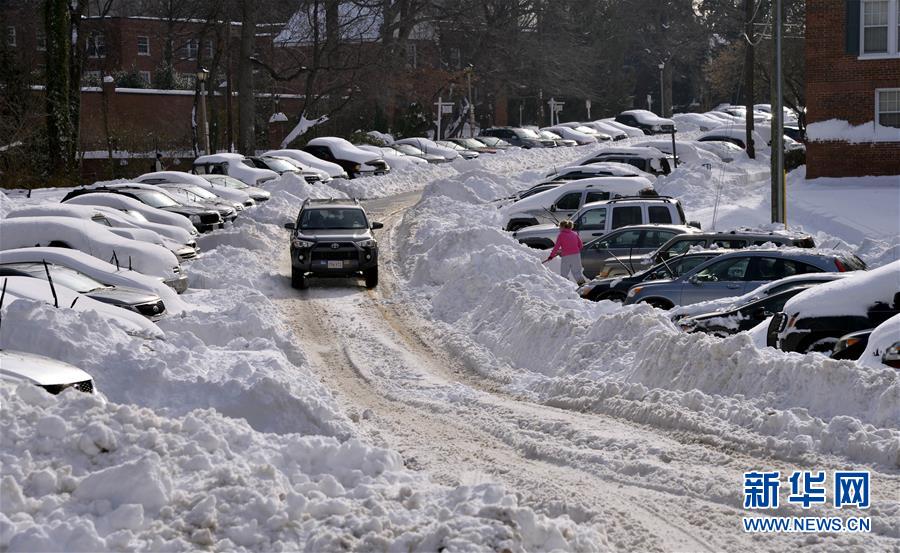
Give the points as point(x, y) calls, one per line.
point(514, 321)
point(81, 474)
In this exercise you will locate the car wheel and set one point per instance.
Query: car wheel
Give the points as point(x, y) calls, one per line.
point(299, 280)
point(58, 244)
point(371, 278)
point(615, 296)
point(513, 227)
point(659, 303)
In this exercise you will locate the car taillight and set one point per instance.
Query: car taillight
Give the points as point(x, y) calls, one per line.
point(840, 266)
point(792, 321)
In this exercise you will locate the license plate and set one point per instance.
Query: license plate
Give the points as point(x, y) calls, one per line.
point(335, 264)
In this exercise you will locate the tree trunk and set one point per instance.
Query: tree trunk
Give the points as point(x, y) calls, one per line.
point(246, 100)
point(59, 116)
point(749, 66)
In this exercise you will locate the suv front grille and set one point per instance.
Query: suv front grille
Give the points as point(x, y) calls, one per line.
point(210, 218)
point(344, 251)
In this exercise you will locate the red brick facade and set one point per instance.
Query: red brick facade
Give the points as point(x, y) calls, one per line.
point(840, 85)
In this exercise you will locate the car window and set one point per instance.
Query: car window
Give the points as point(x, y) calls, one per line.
point(726, 270)
point(101, 220)
point(569, 201)
point(731, 244)
point(594, 219)
point(659, 214)
point(682, 246)
point(596, 196)
point(685, 264)
point(626, 239)
point(775, 268)
point(655, 238)
point(219, 169)
point(333, 218)
point(625, 216)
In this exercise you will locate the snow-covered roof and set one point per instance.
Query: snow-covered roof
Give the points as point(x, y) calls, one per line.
point(648, 117)
point(356, 22)
point(851, 296)
point(306, 159)
point(344, 148)
point(121, 202)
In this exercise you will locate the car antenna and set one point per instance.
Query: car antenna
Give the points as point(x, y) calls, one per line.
point(52, 287)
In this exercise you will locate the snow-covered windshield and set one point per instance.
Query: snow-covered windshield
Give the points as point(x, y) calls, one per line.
point(333, 219)
point(470, 143)
point(279, 165)
point(199, 191)
point(155, 199)
point(408, 149)
point(549, 135)
point(137, 215)
point(528, 133)
point(61, 275)
point(225, 180)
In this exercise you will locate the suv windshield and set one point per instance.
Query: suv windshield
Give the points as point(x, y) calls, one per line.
point(333, 219)
point(155, 199)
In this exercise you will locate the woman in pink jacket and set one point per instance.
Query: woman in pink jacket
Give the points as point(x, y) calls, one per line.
point(568, 246)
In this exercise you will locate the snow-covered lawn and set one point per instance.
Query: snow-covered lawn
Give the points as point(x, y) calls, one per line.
point(222, 435)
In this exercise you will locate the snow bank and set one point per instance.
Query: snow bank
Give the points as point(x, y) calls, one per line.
point(81, 474)
point(514, 321)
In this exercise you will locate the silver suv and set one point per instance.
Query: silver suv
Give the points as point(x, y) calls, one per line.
point(333, 238)
point(737, 273)
point(597, 218)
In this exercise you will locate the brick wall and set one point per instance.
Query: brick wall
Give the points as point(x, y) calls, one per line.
point(841, 86)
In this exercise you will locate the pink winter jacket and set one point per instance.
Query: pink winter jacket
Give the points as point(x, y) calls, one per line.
point(567, 243)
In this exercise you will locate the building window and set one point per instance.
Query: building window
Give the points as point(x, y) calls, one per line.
point(210, 50)
point(96, 45)
point(455, 58)
point(190, 49)
point(411, 55)
point(887, 107)
point(40, 39)
point(145, 76)
point(878, 19)
point(143, 45)
point(93, 77)
point(11, 36)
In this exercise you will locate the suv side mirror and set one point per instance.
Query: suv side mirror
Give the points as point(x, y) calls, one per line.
point(290, 226)
point(376, 225)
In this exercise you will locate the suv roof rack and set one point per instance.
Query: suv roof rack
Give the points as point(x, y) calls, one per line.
point(331, 200)
point(651, 198)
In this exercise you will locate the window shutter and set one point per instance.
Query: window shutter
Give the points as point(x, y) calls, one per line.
point(852, 28)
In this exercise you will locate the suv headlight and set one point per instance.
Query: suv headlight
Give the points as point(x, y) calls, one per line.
point(194, 218)
point(368, 243)
point(633, 292)
point(891, 356)
point(301, 244)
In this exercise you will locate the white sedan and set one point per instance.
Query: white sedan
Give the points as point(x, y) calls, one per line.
point(225, 192)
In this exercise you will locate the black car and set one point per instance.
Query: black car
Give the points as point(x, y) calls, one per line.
point(851, 346)
point(793, 332)
point(202, 218)
point(524, 138)
point(616, 289)
point(744, 317)
point(333, 238)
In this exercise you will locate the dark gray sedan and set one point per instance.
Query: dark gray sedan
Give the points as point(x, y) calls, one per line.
point(609, 250)
point(146, 303)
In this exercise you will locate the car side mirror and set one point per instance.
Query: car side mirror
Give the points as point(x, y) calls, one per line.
point(376, 225)
point(290, 226)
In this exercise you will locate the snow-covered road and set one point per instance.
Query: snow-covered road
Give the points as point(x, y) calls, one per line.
point(646, 488)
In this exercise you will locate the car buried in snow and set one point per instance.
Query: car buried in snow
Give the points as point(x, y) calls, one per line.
point(356, 162)
point(50, 374)
point(233, 165)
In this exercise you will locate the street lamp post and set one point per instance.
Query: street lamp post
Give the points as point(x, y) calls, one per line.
point(202, 75)
point(662, 94)
point(469, 71)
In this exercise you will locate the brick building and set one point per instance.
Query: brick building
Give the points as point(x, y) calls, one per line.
point(853, 87)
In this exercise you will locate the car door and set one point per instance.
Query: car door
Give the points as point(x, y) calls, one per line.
point(567, 205)
point(720, 279)
point(611, 250)
point(592, 223)
point(766, 269)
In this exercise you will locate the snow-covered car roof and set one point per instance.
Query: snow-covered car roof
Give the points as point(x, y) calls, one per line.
point(173, 176)
point(88, 237)
point(216, 158)
point(398, 159)
point(883, 337)
point(97, 269)
point(733, 302)
point(308, 160)
point(17, 366)
point(848, 297)
point(238, 168)
point(179, 177)
point(696, 121)
point(87, 213)
point(572, 134)
point(687, 152)
point(121, 202)
point(617, 169)
point(632, 132)
point(637, 151)
point(648, 117)
point(622, 186)
point(27, 288)
point(344, 149)
point(430, 147)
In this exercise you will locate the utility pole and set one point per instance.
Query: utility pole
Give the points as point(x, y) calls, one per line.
point(469, 71)
point(778, 200)
point(748, 75)
point(662, 93)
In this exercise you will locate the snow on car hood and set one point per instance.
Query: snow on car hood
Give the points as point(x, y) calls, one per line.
point(120, 201)
point(307, 159)
point(881, 338)
point(343, 149)
point(38, 369)
point(545, 229)
point(849, 296)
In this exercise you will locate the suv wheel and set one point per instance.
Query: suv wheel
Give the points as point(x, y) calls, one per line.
point(371, 278)
point(299, 280)
point(659, 303)
point(615, 296)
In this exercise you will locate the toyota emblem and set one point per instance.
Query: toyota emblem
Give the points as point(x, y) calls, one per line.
point(335, 246)
point(156, 309)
